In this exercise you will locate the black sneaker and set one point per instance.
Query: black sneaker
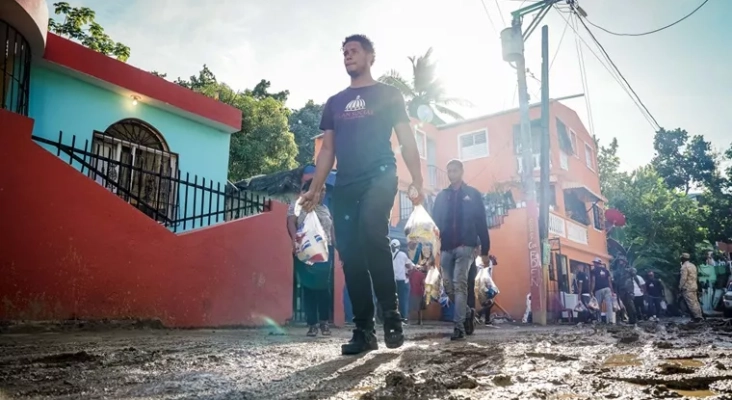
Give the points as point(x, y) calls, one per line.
point(361, 342)
point(313, 331)
point(470, 322)
point(393, 330)
point(324, 329)
point(457, 334)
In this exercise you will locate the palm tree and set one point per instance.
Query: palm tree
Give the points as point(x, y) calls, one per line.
point(425, 89)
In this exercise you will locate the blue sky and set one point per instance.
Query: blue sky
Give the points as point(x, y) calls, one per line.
point(681, 74)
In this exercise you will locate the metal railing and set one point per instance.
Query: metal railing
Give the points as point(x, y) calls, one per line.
point(436, 178)
point(15, 64)
point(149, 181)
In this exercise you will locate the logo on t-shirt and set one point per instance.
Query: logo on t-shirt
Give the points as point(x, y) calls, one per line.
point(356, 104)
point(355, 109)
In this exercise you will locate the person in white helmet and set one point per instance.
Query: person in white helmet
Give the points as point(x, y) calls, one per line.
point(402, 265)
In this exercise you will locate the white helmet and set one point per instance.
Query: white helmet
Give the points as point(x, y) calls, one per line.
point(395, 243)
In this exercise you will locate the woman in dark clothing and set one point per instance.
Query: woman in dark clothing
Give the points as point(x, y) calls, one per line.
point(315, 279)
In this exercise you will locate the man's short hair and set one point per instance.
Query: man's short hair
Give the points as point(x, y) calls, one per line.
point(366, 43)
point(455, 162)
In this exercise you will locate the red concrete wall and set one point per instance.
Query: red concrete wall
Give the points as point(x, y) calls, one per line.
point(70, 249)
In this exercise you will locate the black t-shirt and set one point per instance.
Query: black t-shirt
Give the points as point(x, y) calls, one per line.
point(602, 278)
point(583, 281)
point(654, 287)
point(362, 120)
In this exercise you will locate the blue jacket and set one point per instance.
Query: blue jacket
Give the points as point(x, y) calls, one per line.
point(460, 216)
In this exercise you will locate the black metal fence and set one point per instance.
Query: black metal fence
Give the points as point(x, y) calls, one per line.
point(15, 63)
point(150, 181)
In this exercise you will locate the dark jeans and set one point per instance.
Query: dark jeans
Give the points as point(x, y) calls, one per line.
point(317, 305)
point(628, 301)
point(403, 295)
point(361, 212)
point(655, 306)
point(472, 273)
point(640, 308)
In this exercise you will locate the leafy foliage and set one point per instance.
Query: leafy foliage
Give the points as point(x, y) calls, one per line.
point(661, 221)
point(684, 162)
point(426, 89)
point(79, 25)
point(264, 144)
point(305, 124)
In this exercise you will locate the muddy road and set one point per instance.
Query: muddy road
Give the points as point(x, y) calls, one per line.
point(652, 361)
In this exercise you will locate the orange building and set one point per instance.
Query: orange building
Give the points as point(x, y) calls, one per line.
point(490, 151)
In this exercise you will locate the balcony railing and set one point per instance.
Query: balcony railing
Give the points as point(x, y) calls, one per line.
point(557, 226)
point(565, 228)
point(436, 178)
point(536, 163)
point(577, 233)
point(15, 64)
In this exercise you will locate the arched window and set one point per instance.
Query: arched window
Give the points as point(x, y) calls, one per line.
point(15, 64)
point(133, 160)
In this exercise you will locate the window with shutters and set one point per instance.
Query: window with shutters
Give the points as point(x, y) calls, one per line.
point(473, 145)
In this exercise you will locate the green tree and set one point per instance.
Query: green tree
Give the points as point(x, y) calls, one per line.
point(261, 91)
point(717, 202)
point(685, 162)
point(608, 164)
point(425, 89)
point(305, 124)
point(264, 144)
point(661, 223)
point(79, 25)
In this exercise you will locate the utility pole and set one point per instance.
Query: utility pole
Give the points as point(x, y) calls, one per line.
point(512, 40)
point(545, 154)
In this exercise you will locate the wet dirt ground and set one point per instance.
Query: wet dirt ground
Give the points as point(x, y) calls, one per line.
point(651, 361)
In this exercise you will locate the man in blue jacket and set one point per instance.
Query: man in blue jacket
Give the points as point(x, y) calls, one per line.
point(459, 213)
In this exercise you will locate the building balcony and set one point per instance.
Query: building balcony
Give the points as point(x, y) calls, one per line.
point(536, 163)
point(568, 229)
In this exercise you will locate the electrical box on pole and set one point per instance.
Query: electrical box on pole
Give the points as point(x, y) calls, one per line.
point(512, 45)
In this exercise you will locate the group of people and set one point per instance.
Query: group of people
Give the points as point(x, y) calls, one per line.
point(637, 297)
point(357, 125)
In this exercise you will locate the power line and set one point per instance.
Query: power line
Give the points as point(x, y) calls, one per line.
point(653, 31)
point(488, 14)
point(612, 73)
point(583, 76)
point(559, 46)
point(500, 12)
point(620, 74)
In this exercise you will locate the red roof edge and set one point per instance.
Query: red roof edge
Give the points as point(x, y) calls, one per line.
point(76, 57)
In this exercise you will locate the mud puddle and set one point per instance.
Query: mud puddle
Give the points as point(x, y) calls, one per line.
point(525, 362)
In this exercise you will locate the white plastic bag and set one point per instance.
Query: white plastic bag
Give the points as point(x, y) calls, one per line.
point(423, 237)
point(312, 243)
point(593, 305)
point(485, 288)
point(432, 285)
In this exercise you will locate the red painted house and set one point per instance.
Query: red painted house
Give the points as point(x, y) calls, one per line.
point(111, 204)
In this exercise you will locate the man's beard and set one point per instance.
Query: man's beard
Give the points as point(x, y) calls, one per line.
point(353, 74)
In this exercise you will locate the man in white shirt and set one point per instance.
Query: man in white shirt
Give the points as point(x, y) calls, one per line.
point(402, 265)
point(639, 293)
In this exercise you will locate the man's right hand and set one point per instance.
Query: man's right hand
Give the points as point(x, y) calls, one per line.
point(309, 200)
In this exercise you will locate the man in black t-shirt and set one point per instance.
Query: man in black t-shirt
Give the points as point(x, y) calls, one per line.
point(357, 126)
point(655, 294)
point(582, 287)
point(601, 286)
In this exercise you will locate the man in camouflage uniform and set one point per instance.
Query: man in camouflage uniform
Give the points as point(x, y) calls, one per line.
point(689, 288)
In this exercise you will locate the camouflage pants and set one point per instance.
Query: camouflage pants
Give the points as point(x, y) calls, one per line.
point(692, 301)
